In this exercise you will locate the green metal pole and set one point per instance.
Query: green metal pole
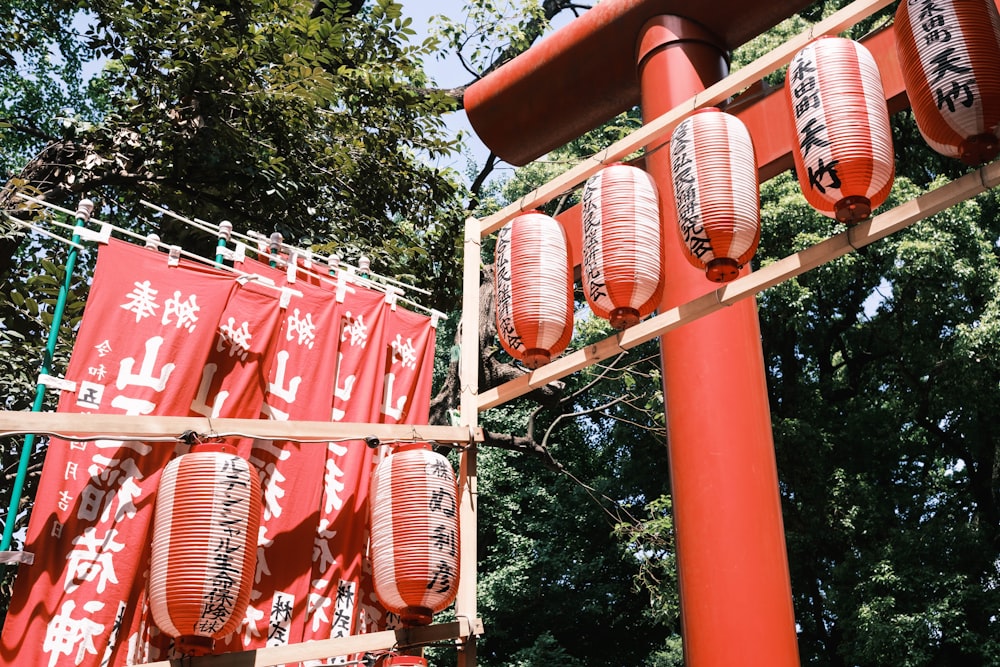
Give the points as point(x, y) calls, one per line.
point(82, 217)
point(275, 248)
point(225, 231)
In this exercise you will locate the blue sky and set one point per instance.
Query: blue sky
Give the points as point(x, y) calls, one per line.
point(447, 73)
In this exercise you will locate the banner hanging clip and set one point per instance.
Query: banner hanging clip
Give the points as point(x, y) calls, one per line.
point(62, 384)
point(25, 557)
point(174, 257)
point(237, 255)
point(100, 236)
point(286, 296)
point(391, 295)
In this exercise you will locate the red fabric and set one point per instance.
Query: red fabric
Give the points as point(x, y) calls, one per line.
point(146, 331)
point(409, 368)
point(311, 541)
point(231, 384)
point(342, 530)
point(300, 387)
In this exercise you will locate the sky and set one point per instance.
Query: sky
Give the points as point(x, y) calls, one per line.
point(447, 73)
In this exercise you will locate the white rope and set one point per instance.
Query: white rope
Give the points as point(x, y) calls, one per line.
point(42, 231)
point(259, 240)
point(152, 241)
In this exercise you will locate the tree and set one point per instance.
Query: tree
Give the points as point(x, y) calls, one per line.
point(881, 385)
point(310, 119)
point(882, 368)
point(319, 127)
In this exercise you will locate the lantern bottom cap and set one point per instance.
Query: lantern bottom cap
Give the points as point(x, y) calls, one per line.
point(416, 616)
point(722, 269)
point(852, 210)
point(536, 357)
point(194, 645)
point(401, 661)
point(624, 317)
point(980, 149)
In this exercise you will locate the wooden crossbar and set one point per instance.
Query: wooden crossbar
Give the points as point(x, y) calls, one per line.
point(321, 649)
point(72, 425)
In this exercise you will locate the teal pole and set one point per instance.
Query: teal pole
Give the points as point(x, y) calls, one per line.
point(225, 231)
point(275, 248)
point(82, 217)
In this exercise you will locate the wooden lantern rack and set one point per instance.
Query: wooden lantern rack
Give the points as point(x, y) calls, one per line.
point(467, 434)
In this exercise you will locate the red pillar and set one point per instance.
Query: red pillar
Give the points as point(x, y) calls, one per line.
point(734, 584)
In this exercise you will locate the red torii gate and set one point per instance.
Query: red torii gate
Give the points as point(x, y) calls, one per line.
point(734, 581)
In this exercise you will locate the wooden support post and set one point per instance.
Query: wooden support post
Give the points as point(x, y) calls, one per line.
point(465, 605)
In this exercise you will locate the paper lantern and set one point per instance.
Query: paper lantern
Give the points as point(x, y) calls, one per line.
point(622, 248)
point(204, 550)
point(949, 53)
point(414, 533)
point(716, 192)
point(533, 286)
point(843, 156)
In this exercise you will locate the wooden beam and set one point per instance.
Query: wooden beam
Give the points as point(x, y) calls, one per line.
point(863, 234)
point(328, 648)
point(72, 425)
point(658, 129)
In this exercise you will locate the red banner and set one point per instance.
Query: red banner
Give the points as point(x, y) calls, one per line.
point(342, 530)
point(408, 369)
point(162, 340)
point(146, 331)
point(300, 387)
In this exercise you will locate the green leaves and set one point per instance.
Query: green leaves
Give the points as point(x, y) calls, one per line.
point(269, 116)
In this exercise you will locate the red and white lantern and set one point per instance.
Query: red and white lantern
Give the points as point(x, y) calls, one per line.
point(414, 533)
point(533, 287)
point(204, 550)
point(843, 156)
point(716, 192)
point(949, 53)
point(622, 247)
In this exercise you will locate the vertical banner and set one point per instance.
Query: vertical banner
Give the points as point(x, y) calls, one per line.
point(408, 369)
point(341, 534)
point(300, 387)
point(234, 379)
point(234, 384)
point(231, 384)
point(147, 330)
